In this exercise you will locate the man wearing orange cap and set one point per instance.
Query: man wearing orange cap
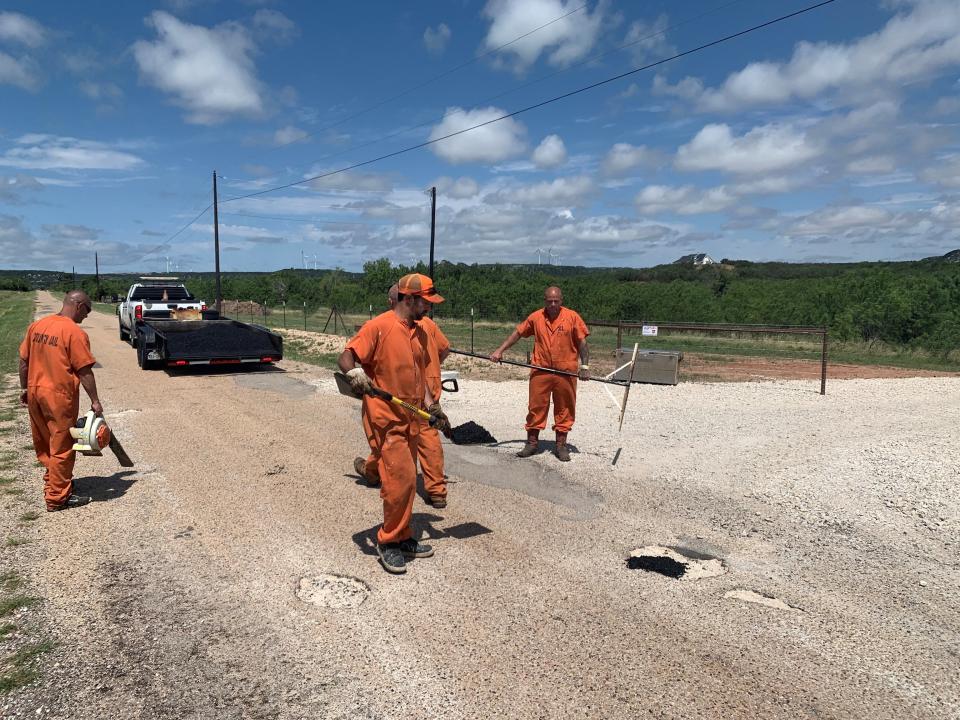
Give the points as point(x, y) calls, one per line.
point(393, 352)
point(55, 360)
point(560, 342)
point(429, 451)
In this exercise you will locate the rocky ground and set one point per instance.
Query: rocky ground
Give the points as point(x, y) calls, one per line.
point(230, 574)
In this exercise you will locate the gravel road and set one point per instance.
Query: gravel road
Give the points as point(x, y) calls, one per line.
point(230, 574)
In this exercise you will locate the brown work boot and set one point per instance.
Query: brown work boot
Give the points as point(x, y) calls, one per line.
point(360, 466)
point(533, 444)
point(438, 502)
point(561, 451)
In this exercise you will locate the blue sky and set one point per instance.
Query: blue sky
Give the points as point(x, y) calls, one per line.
point(831, 136)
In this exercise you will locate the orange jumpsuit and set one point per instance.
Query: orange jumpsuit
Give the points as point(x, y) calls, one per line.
point(429, 451)
point(395, 356)
point(556, 345)
point(55, 349)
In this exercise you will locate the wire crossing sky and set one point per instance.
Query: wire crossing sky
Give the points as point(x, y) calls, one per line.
point(617, 134)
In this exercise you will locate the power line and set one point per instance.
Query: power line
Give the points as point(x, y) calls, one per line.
point(531, 83)
point(306, 219)
point(543, 103)
point(166, 242)
point(432, 80)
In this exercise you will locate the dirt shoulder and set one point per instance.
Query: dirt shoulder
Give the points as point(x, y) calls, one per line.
point(204, 582)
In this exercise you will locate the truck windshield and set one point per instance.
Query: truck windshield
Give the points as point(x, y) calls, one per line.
point(155, 293)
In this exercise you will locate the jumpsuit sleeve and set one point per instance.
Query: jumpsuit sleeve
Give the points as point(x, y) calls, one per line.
point(526, 328)
point(25, 345)
point(79, 351)
point(580, 330)
point(364, 343)
point(443, 344)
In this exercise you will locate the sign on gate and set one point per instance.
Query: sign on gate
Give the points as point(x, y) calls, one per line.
point(649, 330)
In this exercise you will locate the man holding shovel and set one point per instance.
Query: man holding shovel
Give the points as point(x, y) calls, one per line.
point(560, 342)
point(429, 450)
point(393, 352)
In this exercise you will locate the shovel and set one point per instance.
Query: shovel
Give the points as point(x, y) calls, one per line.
point(470, 433)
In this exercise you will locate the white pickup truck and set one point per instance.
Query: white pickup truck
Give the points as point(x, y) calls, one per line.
point(155, 298)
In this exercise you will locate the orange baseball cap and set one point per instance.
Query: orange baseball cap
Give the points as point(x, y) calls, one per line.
point(417, 284)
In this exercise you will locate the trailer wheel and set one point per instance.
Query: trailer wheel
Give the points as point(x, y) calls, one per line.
point(132, 336)
point(142, 353)
point(124, 335)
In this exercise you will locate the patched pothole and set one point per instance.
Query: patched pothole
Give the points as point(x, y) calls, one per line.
point(332, 591)
point(676, 563)
point(756, 598)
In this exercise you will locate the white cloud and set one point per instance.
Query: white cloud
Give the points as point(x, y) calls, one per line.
point(912, 46)
point(460, 189)
point(648, 41)
point(15, 27)
point(210, 72)
point(684, 200)
point(494, 142)
point(551, 153)
point(274, 26)
point(50, 152)
point(767, 148)
point(21, 72)
point(624, 157)
point(436, 40)
point(561, 192)
point(872, 165)
point(252, 234)
point(564, 41)
point(13, 187)
point(834, 220)
point(289, 134)
point(347, 181)
point(945, 172)
point(101, 91)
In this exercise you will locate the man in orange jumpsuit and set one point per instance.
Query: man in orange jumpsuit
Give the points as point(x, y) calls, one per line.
point(55, 360)
point(392, 351)
point(429, 451)
point(560, 341)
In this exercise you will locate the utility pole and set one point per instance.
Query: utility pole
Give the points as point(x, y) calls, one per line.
point(73, 269)
point(216, 241)
point(96, 262)
point(433, 225)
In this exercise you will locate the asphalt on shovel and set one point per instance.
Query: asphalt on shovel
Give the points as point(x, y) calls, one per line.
point(470, 433)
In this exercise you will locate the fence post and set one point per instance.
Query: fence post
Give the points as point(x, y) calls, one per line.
point(619, 336)
point(284, 314)
point(471, 331)
point(304, 315)
point(823, 364)
point(371, 311)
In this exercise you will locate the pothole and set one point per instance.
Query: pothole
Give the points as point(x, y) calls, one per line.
point(675, 564)
point(751, 596)
point(332, 591)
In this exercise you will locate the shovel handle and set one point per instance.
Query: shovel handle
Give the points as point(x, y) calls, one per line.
point(423, 414)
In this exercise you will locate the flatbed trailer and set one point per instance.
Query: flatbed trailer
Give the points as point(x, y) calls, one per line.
point(182, 343)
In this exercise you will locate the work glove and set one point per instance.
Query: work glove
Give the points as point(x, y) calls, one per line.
point(443, 422)
point(584, 373)
point(359, 382)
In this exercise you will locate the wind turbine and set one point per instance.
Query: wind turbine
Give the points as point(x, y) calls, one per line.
point(539, 255)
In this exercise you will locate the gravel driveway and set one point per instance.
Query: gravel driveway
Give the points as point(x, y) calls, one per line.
point(231, 574)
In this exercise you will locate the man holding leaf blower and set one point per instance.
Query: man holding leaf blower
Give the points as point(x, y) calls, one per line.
point(394, 353)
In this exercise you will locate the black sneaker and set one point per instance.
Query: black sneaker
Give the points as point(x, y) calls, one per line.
point(391, 558)
point(414, 549)
point(74, 501)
